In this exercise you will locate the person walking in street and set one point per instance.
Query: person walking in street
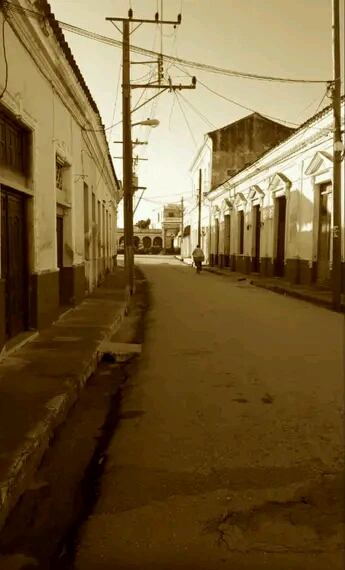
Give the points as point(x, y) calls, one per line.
point(198, 258)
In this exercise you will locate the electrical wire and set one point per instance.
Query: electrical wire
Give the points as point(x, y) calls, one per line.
point(172, 109)
point(192, 64)
point(197, 112)
point(185, 118)
point(5, 57)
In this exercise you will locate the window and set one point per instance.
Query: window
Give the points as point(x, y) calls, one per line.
point(59, 180)
point(241, 232)
point(12, 146)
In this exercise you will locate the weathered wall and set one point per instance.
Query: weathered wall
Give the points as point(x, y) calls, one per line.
point(44, 96)
point(242, 143)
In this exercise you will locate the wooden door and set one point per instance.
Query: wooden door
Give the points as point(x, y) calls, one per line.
point(14, 262)
point(281, 227)
point(257, 238)
point(324, 234)
point(240, 248)
point(59, 250)
point(227, 235)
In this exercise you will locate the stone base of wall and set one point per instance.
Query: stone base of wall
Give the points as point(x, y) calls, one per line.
point(243, 264)
point(44, 299)
point(226, 260)
point(72, 285)
point(233, 262)
point(221, 260)
point(211, 260)
point(266, 267)
point(2, 314)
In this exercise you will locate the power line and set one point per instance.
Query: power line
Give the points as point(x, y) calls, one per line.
point(197, 111)
point(185, 118)
point(192, 64)
point(5, 57)
point(184, 62)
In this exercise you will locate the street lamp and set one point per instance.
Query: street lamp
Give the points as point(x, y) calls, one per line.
point(147, 123)
point(128, 185)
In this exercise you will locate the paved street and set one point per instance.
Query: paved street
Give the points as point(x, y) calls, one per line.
point(229, 453)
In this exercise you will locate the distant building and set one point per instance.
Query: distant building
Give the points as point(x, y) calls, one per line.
point(223, 153)
point(169, 219)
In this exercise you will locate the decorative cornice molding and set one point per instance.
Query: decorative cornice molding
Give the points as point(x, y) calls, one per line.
point(319, 160)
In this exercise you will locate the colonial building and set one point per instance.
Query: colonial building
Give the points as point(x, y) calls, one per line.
point(142, 238)
point(223, 153)
point(274, 217)
point(59, 190)
point(169, 219)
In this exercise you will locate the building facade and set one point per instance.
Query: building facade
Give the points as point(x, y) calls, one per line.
point(223, 153)
point(169, 220)
point(59, 190)
point(142, 238)
point(274, 217)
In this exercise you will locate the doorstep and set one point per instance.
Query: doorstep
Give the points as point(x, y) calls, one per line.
point(40, 382)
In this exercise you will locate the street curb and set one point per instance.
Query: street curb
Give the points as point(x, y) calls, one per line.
point(276, 289)
point(295, 294)
point(29, 455)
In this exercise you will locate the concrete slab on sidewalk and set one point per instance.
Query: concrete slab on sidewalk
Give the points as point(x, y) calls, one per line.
point(40, 382)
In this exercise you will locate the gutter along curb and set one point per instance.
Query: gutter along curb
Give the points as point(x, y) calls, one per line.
point(28, 456)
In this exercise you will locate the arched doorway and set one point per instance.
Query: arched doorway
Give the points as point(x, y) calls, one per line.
point(147, 242)
point(136, 242)
point(158, 242)
point(122, 242)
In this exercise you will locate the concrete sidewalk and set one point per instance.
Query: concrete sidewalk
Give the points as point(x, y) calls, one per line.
point(41, 381)
point(322, 298)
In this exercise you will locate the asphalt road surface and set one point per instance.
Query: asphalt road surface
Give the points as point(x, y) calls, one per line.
point(230, 450)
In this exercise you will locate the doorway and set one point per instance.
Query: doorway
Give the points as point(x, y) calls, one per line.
point(227, 240)
point(324, 234)
point(257, 238)
point(14, 269)
point(59, 244)
point(281, 227)
point(216, 239)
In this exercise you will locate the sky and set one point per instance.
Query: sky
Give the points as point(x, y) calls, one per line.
point(289, 39)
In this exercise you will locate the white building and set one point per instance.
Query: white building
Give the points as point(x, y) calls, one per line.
point(275, 216)
point(223, 153)
point(59, 190)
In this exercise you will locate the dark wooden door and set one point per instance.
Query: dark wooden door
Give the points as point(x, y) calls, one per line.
point(59, 248)
point(324, 235)
point(280, 254)
point(257, 238)
point(14, 262)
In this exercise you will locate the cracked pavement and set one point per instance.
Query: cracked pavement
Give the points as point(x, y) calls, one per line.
point(229, 452)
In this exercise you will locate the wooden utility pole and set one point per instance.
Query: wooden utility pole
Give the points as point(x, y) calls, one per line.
point(127, 159)
point(127, 128)
point(337, 160)
point(199, 207)
point(182, 228)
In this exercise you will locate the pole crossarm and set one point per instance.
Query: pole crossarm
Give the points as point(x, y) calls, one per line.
point(171, 87)
point(139, 21)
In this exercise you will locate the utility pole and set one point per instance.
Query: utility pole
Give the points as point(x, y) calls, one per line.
point(127, 129)
point(182, 228)
point(337, 160)
point(199, 207)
